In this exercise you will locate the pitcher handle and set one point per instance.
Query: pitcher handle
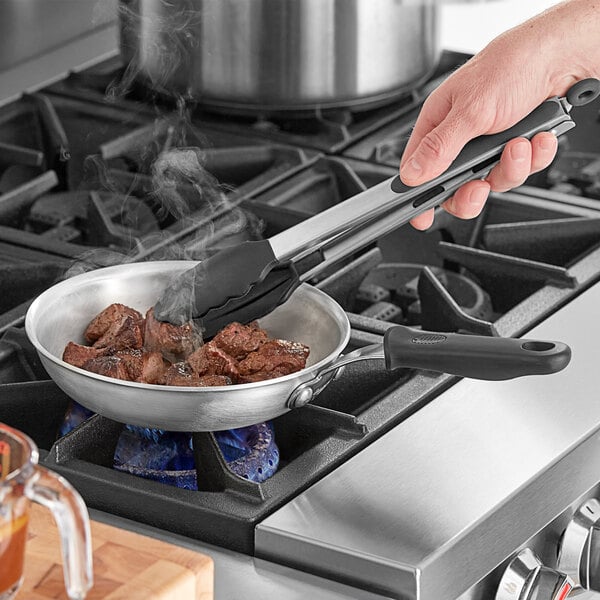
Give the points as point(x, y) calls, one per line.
point(71, 516)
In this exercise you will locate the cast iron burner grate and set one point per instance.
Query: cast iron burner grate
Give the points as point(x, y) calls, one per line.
point(76, 175)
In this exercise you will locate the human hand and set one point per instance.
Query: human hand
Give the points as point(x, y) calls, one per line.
point(492, 92)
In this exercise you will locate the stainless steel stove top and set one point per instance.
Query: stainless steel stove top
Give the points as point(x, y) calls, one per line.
point(435, 505)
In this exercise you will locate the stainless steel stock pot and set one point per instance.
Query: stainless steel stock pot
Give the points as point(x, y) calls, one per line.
point(280, 54)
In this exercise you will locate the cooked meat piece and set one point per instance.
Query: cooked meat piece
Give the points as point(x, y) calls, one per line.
point(212, 360)
point(154, 368)
point(133, 361)
point(180, 373)
point(239, 340)
point(115, 313)
point(274, 358)
point(145, 367)
point(175, 342)
point(212, 380)
point(126, 334)
point(109, 366)
point(78, 355)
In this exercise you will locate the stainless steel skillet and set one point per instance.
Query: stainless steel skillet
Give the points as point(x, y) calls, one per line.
point(62, 312)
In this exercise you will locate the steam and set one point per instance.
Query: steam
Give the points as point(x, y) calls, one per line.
point(183, 186)
point(168, 28)
point(195, 215)
point(176, 303)
point(95, 258)
point(165, 166)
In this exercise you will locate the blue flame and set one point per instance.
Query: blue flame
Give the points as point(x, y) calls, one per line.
point(166, 456)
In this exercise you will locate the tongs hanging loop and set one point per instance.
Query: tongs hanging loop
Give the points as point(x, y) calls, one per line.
point(247, 281)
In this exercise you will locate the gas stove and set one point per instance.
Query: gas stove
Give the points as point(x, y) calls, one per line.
point(404, 484)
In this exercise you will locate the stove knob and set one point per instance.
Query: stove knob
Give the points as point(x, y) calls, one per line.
point(526, 578)
point(579, 554)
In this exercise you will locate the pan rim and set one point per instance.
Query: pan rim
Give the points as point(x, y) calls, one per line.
point(98, 274)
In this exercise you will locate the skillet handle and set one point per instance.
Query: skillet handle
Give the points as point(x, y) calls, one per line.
point(479, 357)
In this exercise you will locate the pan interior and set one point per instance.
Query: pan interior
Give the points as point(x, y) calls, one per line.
point(62, 312)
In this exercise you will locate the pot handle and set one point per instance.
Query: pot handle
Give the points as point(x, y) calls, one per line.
point(476, 356)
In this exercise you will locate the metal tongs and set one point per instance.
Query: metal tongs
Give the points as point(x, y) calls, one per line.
point(247, 281)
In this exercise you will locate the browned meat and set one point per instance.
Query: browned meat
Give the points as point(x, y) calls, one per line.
point(124, 334)
point(109, 366)
point(145, 367)
point(212, 360)
point(274, 358)
point(182, 374)
point(115, 313)
point(154, 368)
point(212, 380)
point(175, 342)
point(131, 347)
point(78, 355)
point(239, 340)
point(132, 359)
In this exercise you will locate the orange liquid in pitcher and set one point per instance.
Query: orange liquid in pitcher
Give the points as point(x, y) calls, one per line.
point(13, 535)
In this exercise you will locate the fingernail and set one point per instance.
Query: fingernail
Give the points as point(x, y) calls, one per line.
point(520, 151)
point(478, 196)
point(411, 169)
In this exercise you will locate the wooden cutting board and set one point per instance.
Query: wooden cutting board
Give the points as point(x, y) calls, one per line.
point(127, 566)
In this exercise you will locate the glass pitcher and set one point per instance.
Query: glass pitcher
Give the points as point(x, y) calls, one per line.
point(23, 480)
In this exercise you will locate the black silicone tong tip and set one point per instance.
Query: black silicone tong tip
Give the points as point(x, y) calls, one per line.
point(213, 284)
point(275, 288)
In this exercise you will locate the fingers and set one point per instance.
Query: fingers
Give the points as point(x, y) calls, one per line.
point(423, 221)
point(514, 166)
point(431, 150)
point(468, 200)
point(543, 150)
point(520, 158)
point(466, 203)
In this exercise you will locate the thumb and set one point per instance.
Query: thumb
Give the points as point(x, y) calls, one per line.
point(430, 151)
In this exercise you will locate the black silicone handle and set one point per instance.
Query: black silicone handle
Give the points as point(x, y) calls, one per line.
point(230, 273)
point(479, 357)
point(536, 121)
point(583, 92)
point(543, 118)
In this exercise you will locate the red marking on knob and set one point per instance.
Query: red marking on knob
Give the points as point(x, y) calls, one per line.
point(564, 591)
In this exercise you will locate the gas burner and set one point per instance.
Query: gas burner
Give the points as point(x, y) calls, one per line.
point(401, 285)
point(168, 457)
